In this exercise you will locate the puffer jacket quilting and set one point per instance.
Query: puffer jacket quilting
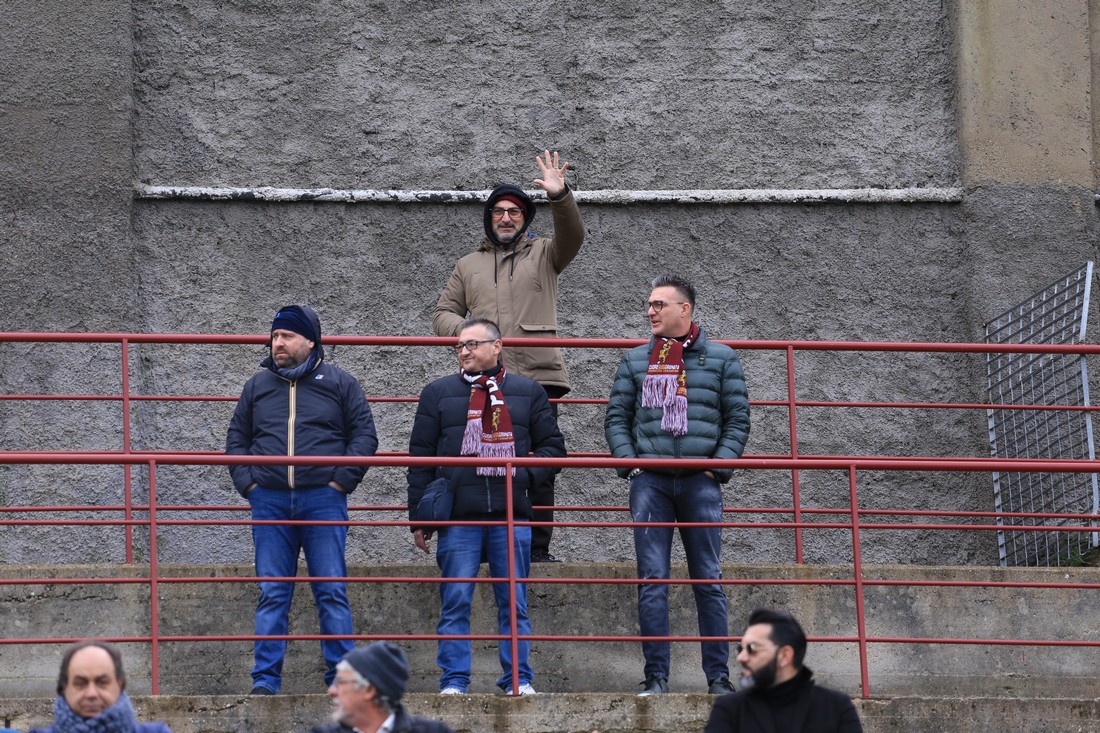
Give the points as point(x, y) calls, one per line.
point(718, 408)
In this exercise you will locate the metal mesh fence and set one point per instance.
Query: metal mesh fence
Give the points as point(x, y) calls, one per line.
point(1056, 315)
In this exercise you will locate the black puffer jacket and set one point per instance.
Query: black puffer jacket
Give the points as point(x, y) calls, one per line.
point(438, 429)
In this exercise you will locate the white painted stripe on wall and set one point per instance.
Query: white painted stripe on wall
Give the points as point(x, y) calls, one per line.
point(948, 195)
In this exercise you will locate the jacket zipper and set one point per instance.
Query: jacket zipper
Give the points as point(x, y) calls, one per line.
point(291, 417)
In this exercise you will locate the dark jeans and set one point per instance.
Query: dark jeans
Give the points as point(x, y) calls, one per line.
point(459, 553)
point(277, 549)
point(656, 497)
point(543, 494)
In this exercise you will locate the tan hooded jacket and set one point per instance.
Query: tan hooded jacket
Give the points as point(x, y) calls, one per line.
point(518, 289)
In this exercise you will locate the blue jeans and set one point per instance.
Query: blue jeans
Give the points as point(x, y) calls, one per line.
point(277, 548)
point(459, 554)
point(656, 497)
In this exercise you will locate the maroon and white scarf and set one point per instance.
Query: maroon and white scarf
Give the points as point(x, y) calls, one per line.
point(488, 423)
point(665, 383)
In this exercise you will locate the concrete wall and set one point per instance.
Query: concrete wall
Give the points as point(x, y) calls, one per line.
point(441, 96)
point(458, 95)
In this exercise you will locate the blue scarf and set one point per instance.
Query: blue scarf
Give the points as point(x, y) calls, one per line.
point(293, 374)
point(119, 718)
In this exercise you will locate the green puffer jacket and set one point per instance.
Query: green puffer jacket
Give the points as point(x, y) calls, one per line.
point(718, 408)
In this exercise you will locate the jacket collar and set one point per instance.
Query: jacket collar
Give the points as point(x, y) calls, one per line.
point(487, 245)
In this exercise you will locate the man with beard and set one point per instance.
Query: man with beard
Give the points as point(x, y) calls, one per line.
point(91, 694)
point(777, 691)
point(299, 405)
point(512, 279)
point(367, 694)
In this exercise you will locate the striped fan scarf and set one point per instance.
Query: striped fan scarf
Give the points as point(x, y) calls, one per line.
point(488, 424)
point(665, 383)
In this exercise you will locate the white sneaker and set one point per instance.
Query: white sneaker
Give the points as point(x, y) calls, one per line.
point(524, 689)
point(453, 691)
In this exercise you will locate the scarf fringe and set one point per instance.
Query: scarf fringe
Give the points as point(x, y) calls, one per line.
point(658, 390)
point(675, 419)
point(471, 439)
point(496, 450)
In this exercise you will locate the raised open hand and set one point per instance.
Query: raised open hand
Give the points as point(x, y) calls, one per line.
point(553, 175)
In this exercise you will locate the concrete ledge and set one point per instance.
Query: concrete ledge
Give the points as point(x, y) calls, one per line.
point(406, 609)
point(583, 713)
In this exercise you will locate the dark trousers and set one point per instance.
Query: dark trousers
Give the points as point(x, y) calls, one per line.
point(543, 494)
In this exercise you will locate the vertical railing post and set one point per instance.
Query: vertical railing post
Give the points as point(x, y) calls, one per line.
point(127, 485)
point(857, 573)
point(510, 518)
point(796, 492)
point(154, 593)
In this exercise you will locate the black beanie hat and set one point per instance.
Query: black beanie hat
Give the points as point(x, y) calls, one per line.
point(384, 665)
point(301, 319)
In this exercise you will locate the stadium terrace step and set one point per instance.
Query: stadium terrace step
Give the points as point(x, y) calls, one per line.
point(822, 597)
point(583, 712)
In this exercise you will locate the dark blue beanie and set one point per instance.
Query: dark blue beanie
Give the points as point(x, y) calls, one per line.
point(295, 318)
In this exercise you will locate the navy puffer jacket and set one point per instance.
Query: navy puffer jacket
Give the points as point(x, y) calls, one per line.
point(718, 408)
point(325, 413)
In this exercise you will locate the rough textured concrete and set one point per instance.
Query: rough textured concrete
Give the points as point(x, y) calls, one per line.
point(405, 609)
point(683, 95)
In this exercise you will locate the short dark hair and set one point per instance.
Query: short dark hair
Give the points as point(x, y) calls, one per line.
point(786, 631)
point(683, 287)
point(492, 328)
point(67, 658)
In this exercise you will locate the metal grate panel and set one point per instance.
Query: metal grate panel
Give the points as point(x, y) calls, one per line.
point(1056, 315)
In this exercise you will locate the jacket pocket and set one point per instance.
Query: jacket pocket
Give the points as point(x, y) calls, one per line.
point(532, 330)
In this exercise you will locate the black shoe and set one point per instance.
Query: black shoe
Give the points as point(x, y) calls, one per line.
point(543, 556)
point(653, 686)
point(720, 686)
point(261, 690)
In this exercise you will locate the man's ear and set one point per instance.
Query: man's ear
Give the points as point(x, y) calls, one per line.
point(786, 656)
point(122, 683)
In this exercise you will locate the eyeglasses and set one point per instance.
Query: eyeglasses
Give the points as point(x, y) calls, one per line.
point(471, 345)
point(498, 212)
point(753, 648)
point(342, 681)
point(659, 305)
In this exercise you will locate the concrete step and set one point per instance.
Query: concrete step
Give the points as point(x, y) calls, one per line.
point(583, 713)
point(53, 610)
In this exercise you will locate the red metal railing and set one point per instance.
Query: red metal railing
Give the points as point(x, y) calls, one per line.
point(853, 519)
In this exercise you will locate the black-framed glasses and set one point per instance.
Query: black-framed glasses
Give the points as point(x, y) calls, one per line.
point(753, 648)
point(659, 305)
point(471, 344)
point(498, 212)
